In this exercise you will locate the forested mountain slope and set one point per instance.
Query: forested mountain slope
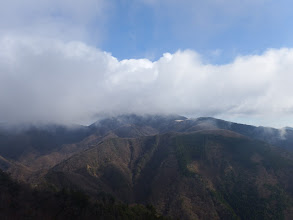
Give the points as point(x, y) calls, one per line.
point(202, 168)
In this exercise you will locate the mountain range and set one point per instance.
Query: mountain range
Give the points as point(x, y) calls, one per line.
point(180, 168)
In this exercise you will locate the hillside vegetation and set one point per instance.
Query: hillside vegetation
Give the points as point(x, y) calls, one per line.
point(153, 166)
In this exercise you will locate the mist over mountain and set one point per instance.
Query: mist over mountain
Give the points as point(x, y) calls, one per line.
point(50, 81)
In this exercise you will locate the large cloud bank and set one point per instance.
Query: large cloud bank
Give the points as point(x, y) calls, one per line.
point(52, 81)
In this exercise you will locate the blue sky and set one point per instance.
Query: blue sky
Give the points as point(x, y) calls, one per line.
point(66, 61)
point(219, 30)
point(149, 28)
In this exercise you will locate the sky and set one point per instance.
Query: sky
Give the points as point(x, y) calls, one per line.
point(68, 61)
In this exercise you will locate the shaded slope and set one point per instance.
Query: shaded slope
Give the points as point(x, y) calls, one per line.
point(18, 142)
point(19, 201)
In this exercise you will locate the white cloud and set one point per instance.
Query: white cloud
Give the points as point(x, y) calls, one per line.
point(49, 80)
point(66, 19)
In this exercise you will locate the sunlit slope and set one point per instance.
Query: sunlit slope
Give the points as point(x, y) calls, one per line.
point(214, 174)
